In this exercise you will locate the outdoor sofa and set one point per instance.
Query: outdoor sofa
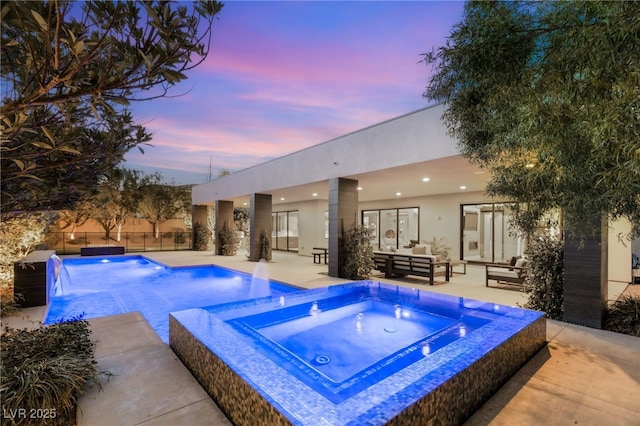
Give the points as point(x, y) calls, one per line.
point(513, 273)
point(403, 264)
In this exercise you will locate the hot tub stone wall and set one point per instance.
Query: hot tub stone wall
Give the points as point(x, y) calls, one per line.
point(237, 399)
point(451, 403)
point(457, 399)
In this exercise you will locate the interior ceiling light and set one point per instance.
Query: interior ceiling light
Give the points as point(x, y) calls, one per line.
point(315, 194)
point(398, 194)
point(425, 179)
point(281, 198)
point(463, 187)
point(359, 188)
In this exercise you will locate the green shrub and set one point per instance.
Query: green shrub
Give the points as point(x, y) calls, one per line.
point(624, 316)
point(358, 253)
point(44, 371)
point(265, 246)
point(228, 240)
point(200, 237)
point(545, 277)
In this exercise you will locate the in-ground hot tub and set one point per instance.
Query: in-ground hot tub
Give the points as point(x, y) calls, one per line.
point(360, 353)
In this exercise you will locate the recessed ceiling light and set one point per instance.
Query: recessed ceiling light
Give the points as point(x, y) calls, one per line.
point(281, 198)
point(315, 194)
point(463, 187)
point(359, 188)
point(244, 204)
point(425, 179)
point(398, 194)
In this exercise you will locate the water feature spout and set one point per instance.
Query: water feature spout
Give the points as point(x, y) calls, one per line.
point(398, 311)
point(260, 281)
point(314, 311)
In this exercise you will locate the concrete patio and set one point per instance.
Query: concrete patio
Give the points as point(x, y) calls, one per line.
point(584, 376)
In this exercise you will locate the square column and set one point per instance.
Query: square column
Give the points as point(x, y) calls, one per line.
point(586, 278)
point(260, 227)
point(224, 216)
point(343, 212)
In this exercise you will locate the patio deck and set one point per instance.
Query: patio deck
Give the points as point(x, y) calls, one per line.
point(584, 376)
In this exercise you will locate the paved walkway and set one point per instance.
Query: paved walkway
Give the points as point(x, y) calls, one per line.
point(583, 377)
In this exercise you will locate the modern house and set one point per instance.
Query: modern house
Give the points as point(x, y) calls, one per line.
point(404, 178)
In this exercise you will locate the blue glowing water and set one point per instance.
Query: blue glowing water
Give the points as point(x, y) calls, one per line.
point(102, 286)
point(340, 344)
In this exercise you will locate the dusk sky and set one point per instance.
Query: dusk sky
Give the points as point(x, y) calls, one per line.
point(282, 76)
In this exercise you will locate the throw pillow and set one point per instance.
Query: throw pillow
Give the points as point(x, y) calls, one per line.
point(419, 250)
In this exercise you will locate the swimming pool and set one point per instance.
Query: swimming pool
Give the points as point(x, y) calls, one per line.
point(110, 285)
point(360, 353)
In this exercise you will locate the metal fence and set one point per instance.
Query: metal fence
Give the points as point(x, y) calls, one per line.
point(68, 243)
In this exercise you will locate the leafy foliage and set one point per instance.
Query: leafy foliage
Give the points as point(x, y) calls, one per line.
point(265, 246)
point(19, 235)
point(117, 199)
point(160, 202)
point(546, 96)
point(228, 240)
point(46, 367)
point(69, 72)
point(439, 248)
point(200, 237)
point(624, 316)
point(358, 261)
point(544, 283)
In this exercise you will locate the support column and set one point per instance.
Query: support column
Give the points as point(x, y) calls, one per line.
point(343, 212)
point(200, 214)
point(586, 279)
point(260, 224)
point(224, 216)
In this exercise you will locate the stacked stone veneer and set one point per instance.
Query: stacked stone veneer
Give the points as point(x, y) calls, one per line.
point(451, 403)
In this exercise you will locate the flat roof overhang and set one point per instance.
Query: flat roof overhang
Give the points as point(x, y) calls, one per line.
point(387, 158)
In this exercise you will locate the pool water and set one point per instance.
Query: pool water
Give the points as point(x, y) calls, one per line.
point(102, 286)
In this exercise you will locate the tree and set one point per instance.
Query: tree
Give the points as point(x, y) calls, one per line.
point(69, 71)
point(546, 96)
point(118, 199)
point(161, 202)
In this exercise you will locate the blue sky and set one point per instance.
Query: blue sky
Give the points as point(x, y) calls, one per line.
point(282, 76)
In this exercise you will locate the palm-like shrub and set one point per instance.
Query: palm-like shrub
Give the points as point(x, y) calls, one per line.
point(624, 316)
point(545, 277)
point(358, 253)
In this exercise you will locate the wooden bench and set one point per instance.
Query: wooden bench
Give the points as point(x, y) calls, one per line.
point(500, 272)
point(403, 265)
point(317, 256)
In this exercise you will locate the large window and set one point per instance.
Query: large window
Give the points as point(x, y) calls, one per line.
point(486, 235)
point(393, 227)
point(285, 230)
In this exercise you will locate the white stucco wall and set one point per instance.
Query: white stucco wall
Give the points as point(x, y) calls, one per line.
point(412, 138)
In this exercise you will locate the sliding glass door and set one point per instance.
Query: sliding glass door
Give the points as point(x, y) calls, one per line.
point(392, 227)
point(285, 230)
point(486, 235)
